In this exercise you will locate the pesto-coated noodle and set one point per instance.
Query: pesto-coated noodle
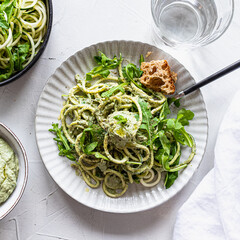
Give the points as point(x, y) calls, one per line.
point(117, 131)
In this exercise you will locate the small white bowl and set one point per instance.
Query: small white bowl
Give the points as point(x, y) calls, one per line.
point(7, 135)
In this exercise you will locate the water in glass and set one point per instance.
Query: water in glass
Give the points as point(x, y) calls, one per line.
point(184, 22)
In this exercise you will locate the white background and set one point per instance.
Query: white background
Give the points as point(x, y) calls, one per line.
point(45, 212)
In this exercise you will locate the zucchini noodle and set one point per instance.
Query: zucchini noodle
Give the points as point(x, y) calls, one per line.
point(106, 120)
point(22, 32)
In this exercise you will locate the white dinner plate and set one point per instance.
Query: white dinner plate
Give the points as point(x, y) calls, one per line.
point(137, 197)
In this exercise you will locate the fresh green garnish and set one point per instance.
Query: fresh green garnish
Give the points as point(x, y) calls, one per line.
point(170, 179)
point(164, 111)
point(20, 54)
point(141, 60)
point(111, 91)
point(5, 4)
point(163, 152)
point(171, 176)
point(90, 139)
point(177, 127)
point(9, 10)
point(175, 101)
point(6, 73)
point(131, 72)
point(99, 155)
point(146, 122)
point(184, 116)
point(90, 147)
point(104, 65)
point(166, 148)
point(17, 59)
point(120, 118)
point(3, 22)
point(65, 148)
point(88, 143)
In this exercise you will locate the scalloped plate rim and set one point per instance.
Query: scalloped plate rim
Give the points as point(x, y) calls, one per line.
point(121, 210)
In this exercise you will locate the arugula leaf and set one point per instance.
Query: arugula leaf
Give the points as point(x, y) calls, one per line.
point(141, 60)
point(91, 138)
point(82, 140)
point(6, 73)
point(132, 71)
point(6, 7)
point(65, 148)
point(184, 116)
point(111, 91)
point(146, 114)
point(173, 124)
point(99, 155)
point(90, 147)
point(105, 64)
point(171, 176)
point(104, 60)
point(19, 55)
point(175, 101)
point(97, 133)
point(170, 179)
point(177, 127)
point(163, 152)
point(164, 111)
point(183, 137)
point(9, 11)
point(164, 141)
point(120, 118)
point(154, 122)
point(4, 4)
point(3, 22)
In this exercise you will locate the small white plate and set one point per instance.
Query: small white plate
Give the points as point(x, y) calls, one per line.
point(137, 197)
point(7, 135)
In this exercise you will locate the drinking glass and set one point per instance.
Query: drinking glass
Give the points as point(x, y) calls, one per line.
point(190, 23)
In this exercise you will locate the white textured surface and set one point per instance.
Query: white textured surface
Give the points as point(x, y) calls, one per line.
point(137, 198)
point(45, 212)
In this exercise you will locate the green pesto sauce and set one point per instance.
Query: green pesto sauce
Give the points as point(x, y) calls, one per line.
point(9, 167)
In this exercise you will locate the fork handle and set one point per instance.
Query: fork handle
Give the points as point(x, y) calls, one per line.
point(209, 79)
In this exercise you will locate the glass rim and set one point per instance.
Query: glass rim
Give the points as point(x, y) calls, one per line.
point(227, 25)
point(211, 38)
